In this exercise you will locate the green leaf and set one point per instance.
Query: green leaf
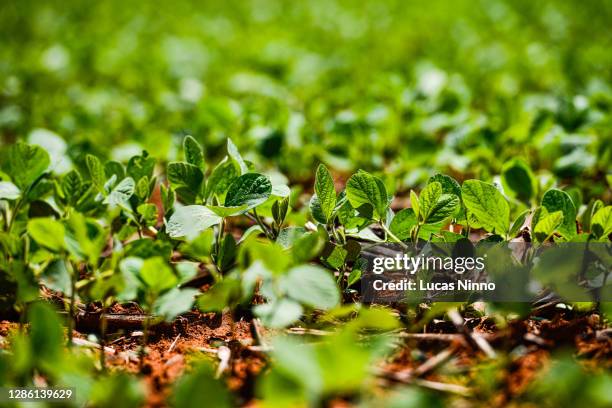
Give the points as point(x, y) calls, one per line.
point(315, 210)
point(56, 277)
point(403, 222)
point(518, 223)
point(25, 163)
point(199, 388)
point(174, 302)
point(46, 334)
point(220, 179)
point(449, 184)
point(601, 223)
point(364, 188)
point(222, 295)
point(487, 204)
point(96, 171)
point(47, 232)
point(414, 204)
point(193, 152)
point(72, 187)
point(121, 193)
point(435, 206)
point(279, 210)
point(278, 314)
point(186, 176)
point(250, 189)
point(148, 212)
point(334, 255)
point(190, 221)
point(234, 154)
point(9, 191)
point(113, 168)
point(557, 200)
point(518, 180)
point(157, 275)
point(312, 286)
point(326, 192)
point(141, 166)
point(224, 212)
point(547, 225)
point(589, 212)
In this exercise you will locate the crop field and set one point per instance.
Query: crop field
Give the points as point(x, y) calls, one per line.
point(323, 203)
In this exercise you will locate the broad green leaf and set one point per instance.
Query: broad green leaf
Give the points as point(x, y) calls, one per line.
point(601, 223)
point(121, 193)
point(315, 210)
point(325, 191)
point(193, 152)
point(364, 188)
point(334, 256)
point(220, 179)
point(403, 222)
point(281, 190)
point(250, 189)
point(557, 200)
point(518, 180)
point(56, 276)
point(25, 163)
point(287, 236)
point(278, 314)
point(141, 166)
point(47, 232)
point(46, 334)
point(96, 171)
point(9, 191)
point(157, 275)
point(234, 154)
point(55, 146)
point(547, 225)
point(449, 184)
point(487, 204)
point(185, 175)
point(312, 286)
point(190, 221)
point(84, 238)
point(174, 302)
point(436, 206)
point(113, 168)
point(222, 295)
point(72, 187)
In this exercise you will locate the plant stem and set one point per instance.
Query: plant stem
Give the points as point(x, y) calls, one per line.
point(103, 337)
point(145, 332)
point(392, 235)
point(262, 225)
point(73, 279)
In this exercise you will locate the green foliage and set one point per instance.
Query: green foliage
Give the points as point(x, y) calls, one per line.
point(365, 189)
point(325, 193)
point(487, 204)
point(518, 180)
point(249, 190)
point(25, 164)
point(556, 200)
point(87, 212)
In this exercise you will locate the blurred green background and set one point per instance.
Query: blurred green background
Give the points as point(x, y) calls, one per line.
point(404, 87)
